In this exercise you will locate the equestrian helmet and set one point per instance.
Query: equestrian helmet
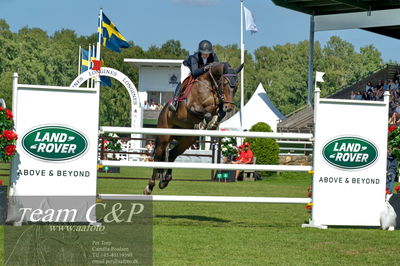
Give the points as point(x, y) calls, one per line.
point(205, 47)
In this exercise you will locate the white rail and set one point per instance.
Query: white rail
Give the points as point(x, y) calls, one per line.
point(212, 133)
point(294, 142)
point(203, 198)
point(210, 166)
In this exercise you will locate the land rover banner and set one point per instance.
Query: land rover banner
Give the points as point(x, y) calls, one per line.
point(57, 131)
point(349, 162)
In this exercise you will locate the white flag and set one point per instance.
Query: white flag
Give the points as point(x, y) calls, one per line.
point(318, 76)
point(250, 25)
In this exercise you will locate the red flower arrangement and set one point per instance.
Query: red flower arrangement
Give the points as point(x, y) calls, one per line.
point(310, 204)
point(8, 137)
point(309, 189)
point(391, 128)
point(397, 189)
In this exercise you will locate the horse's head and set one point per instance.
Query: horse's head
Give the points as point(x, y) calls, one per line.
point(226, 85)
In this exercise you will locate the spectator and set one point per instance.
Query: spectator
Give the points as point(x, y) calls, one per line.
point(391, 171)
point(353, 95)
point(394, 119)
point(145, 105)
point(149, 147)
point(158, 107)
point(239, 151)
point(152, 106)
point(366, 96)
point(246, 157)
point(395, 85)
point(397, 75)
point(358, 96)
point(369, 86)
point(379, 85)
point(386, 85)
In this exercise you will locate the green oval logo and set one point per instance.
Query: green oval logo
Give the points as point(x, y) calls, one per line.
point(54, 143)
point(350, 152)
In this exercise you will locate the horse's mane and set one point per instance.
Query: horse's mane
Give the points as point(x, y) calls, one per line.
point(218, 69)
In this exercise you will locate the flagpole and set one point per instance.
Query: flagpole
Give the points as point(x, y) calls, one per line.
point(100, 31)
point(79, 60)
point(90, 61)
point(89, 81)
point(241, 61)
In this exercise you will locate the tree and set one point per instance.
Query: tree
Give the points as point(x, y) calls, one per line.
point(282, 69)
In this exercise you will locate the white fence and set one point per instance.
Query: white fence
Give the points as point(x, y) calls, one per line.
point(191, 132)
point(175, 165)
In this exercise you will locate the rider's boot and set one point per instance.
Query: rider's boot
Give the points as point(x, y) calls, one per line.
point(174, 103)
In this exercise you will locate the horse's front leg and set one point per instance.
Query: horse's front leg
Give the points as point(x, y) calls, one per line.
point(159, 155)
point(216, 120)
point(183, 144)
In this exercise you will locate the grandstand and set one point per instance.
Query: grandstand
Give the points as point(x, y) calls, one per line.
point(302, 120)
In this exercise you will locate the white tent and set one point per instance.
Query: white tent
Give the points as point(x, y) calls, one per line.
point(258, 109)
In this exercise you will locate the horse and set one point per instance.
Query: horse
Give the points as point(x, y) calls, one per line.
point(207, 102)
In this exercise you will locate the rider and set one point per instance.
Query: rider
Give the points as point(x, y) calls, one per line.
point(195, 65)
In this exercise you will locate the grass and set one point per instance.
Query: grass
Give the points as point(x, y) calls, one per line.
point(248, 234)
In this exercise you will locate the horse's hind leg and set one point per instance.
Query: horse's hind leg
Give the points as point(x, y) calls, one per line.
point(183, 144)
point(159, 153)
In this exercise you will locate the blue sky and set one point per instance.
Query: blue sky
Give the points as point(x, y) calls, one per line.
point(152, 22)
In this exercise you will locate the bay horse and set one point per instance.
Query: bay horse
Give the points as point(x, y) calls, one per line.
point(207, 102)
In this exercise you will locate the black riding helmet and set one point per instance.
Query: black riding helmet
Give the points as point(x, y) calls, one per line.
point(205, 47)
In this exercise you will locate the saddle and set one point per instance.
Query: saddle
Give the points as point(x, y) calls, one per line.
point(185, 88)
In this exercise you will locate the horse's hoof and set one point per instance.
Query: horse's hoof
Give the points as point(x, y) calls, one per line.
point(213, 124)
point(164, 181)
point(200, 126)
point(147, 191)
point(163, 184)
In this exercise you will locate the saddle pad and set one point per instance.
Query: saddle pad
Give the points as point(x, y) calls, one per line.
point(187, 86)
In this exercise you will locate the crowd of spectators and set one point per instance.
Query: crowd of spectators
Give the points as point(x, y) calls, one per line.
point(375, 91)
point(152, 106)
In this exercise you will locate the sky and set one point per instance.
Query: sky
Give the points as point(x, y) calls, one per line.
point(152, 22)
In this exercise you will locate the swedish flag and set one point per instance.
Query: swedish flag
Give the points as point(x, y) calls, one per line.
point(84, 60)
point(111, 37)
point(106, 81)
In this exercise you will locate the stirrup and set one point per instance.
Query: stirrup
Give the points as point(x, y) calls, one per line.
point(173, 106)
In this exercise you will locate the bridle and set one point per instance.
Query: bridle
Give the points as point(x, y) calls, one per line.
point(219, 88)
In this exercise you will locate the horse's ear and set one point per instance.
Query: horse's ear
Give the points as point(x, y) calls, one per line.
point(237, 70)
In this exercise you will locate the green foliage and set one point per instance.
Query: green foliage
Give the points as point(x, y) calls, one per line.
point(265, 150)
point(111, 143)
point(53, 60)
point(394, 142)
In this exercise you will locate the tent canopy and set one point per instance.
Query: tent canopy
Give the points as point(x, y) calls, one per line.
point(258, 109)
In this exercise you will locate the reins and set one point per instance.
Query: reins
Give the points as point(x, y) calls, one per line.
point(219, 88)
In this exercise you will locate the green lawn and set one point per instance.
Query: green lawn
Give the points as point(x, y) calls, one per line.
point(249, 234)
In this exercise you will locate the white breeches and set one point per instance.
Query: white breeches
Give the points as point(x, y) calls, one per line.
point(185, 72)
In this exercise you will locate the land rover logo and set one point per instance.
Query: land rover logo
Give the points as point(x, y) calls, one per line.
point(54, 143)
point(350, 152)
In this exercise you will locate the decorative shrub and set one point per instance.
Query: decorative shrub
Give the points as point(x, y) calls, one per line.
point(266, 150)
point(111, 143)
point(228, 148)
point(394, 141)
